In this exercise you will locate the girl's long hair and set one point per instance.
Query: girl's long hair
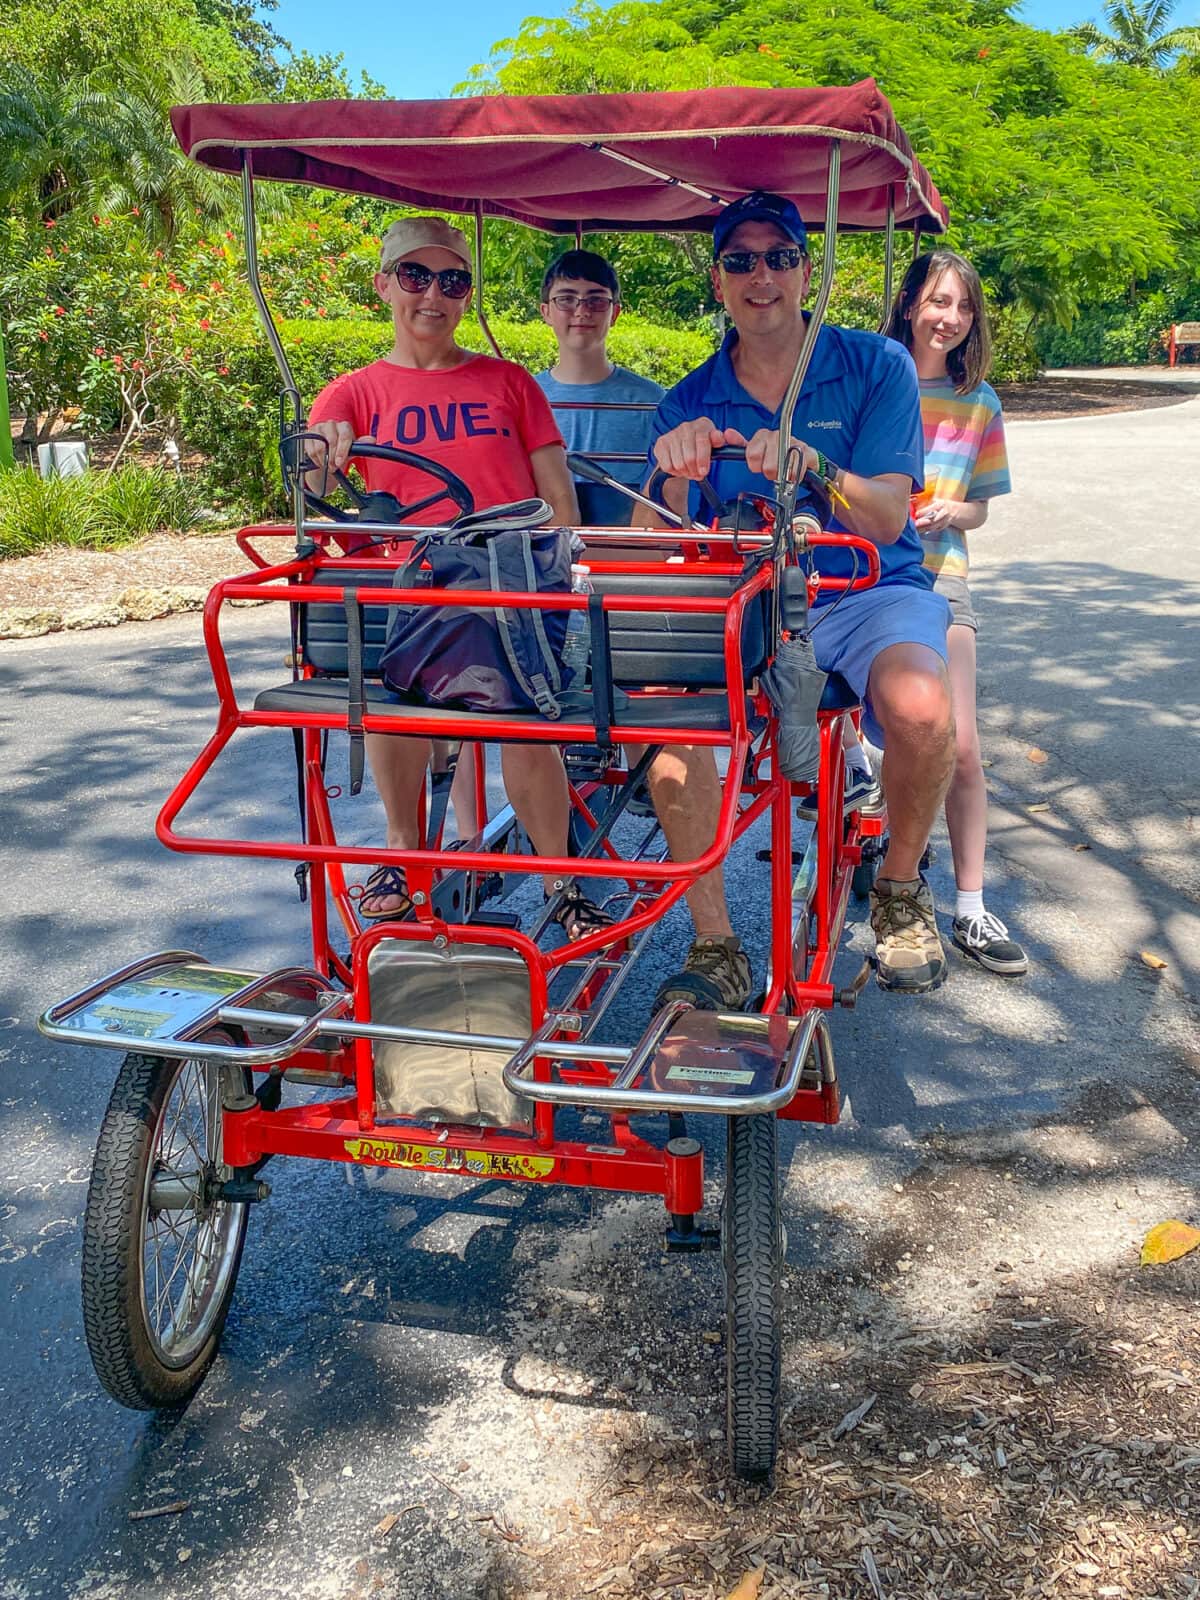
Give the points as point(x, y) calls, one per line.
point(968, 364)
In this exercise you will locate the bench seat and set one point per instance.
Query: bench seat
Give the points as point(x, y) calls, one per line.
point(328, 697)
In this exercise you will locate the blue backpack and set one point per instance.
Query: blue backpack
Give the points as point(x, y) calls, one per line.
point(485, 658)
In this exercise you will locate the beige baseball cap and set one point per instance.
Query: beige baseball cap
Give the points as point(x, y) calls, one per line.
point(419, 233)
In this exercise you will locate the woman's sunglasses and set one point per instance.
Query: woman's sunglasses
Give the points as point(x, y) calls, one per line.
point(413, 278)
point(785, 259)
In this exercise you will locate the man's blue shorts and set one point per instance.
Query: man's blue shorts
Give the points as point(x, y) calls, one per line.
point(848, 634)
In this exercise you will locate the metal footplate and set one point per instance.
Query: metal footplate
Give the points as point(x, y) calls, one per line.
point(720, 1062)
point(171, 1003)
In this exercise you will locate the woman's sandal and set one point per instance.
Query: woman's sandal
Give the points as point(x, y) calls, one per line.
point(578, 916)
point(385, 883)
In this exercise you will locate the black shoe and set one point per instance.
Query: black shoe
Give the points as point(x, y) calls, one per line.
point(715, 977)
point(985, 939)
point(862, 793)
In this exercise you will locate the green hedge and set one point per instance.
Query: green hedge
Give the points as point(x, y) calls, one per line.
point(229, 402)
point(1117, 335)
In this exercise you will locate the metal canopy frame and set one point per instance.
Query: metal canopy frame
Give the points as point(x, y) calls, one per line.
point(787, 486)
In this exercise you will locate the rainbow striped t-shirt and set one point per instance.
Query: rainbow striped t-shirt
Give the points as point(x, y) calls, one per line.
point(965, 459)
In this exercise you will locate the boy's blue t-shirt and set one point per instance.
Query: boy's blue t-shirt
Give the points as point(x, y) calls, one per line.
point(591, 431)
point(860, 406)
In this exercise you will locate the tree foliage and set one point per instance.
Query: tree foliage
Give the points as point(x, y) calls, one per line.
point(1139, 35)
point(1068, 181)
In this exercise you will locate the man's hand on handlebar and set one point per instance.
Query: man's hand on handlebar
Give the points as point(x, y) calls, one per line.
point(686, 451)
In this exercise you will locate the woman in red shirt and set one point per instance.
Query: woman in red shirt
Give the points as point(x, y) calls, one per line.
point(487, 421)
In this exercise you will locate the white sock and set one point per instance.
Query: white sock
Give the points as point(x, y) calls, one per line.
point(969, 903)
point(856, 756)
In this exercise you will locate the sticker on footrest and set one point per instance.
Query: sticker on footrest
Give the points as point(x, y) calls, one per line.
point(444, 1158)
point(707, 1075)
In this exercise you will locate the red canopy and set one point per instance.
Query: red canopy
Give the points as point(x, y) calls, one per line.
point(556, 160)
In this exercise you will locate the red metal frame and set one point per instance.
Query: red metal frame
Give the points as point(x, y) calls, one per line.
point(346, 1128)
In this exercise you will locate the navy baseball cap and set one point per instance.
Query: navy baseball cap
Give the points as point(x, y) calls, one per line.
point(759, 207)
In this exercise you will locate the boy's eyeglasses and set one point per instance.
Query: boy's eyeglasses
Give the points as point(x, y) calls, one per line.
point(597, 304)
point(785, 259)
point(413, 278)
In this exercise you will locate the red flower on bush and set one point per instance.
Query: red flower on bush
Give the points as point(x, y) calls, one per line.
point(135, 212)
point(320, 311)
point(216, 287)
point(205, 324)
point(986, 51)
point(43, 335)
point(50, 222)
point(224, 371)
point(60, 311)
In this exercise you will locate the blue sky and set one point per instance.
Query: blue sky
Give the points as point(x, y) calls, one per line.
point(420, 49)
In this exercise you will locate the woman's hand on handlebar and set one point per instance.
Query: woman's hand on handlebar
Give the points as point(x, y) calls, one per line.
point(329, 447)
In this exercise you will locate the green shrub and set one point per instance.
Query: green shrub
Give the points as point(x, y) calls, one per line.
point(1117, 335)
point(94, 511)
point(1015, 357)
point(134, 502)
point(37, 511)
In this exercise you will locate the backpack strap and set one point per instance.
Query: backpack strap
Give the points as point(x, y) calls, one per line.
point(522, 633)
point(356, 692)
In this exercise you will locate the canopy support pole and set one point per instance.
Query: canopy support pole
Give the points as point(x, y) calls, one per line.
point(479, 310)
point(916, 249)
point(655, 172)
point(889, 252)
point(291, 394)
point(813, 326)
point(579, 235)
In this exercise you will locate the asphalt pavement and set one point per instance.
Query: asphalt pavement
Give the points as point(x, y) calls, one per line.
point(388, 1354)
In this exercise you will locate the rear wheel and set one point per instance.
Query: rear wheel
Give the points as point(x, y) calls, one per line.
point(752, 1250)
point(161, 1249)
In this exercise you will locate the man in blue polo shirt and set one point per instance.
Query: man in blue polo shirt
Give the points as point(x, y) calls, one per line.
point(858, 421)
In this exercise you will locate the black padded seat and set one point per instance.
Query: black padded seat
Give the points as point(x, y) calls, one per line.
point(327, 697)
point(837, 694)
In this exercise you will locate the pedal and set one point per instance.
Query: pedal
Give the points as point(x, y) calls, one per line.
point(685, 1238)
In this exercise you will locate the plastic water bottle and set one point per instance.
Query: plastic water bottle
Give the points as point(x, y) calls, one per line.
point(577, 646)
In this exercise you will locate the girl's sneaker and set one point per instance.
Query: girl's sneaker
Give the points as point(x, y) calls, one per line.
point(985, 939)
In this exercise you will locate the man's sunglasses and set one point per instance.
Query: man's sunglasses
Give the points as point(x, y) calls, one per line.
point(413, 278)
point(785, 259)
point(595, 304)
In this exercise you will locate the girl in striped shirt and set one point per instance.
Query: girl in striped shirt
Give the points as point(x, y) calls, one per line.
point(939, 316)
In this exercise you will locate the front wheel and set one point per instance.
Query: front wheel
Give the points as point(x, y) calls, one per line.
point(752, 1251)
point(161, 1248)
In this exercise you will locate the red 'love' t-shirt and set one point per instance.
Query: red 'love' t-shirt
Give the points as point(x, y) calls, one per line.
point(482, 419)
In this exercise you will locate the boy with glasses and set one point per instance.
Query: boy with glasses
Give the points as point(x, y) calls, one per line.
point(581, 299)
point(489, 422)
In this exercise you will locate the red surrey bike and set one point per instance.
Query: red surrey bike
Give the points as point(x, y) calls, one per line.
point(460, 1039)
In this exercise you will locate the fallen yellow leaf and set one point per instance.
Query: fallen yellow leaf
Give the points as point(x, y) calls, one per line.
point(1149, 959)
point(748, 1585)
point(1167, 1241)
point(1082, 845)
point(1038, 757)
point(1042, 805)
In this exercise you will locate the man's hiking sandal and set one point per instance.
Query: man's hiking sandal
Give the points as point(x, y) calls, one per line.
point(715, 977)
point(908, 953)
